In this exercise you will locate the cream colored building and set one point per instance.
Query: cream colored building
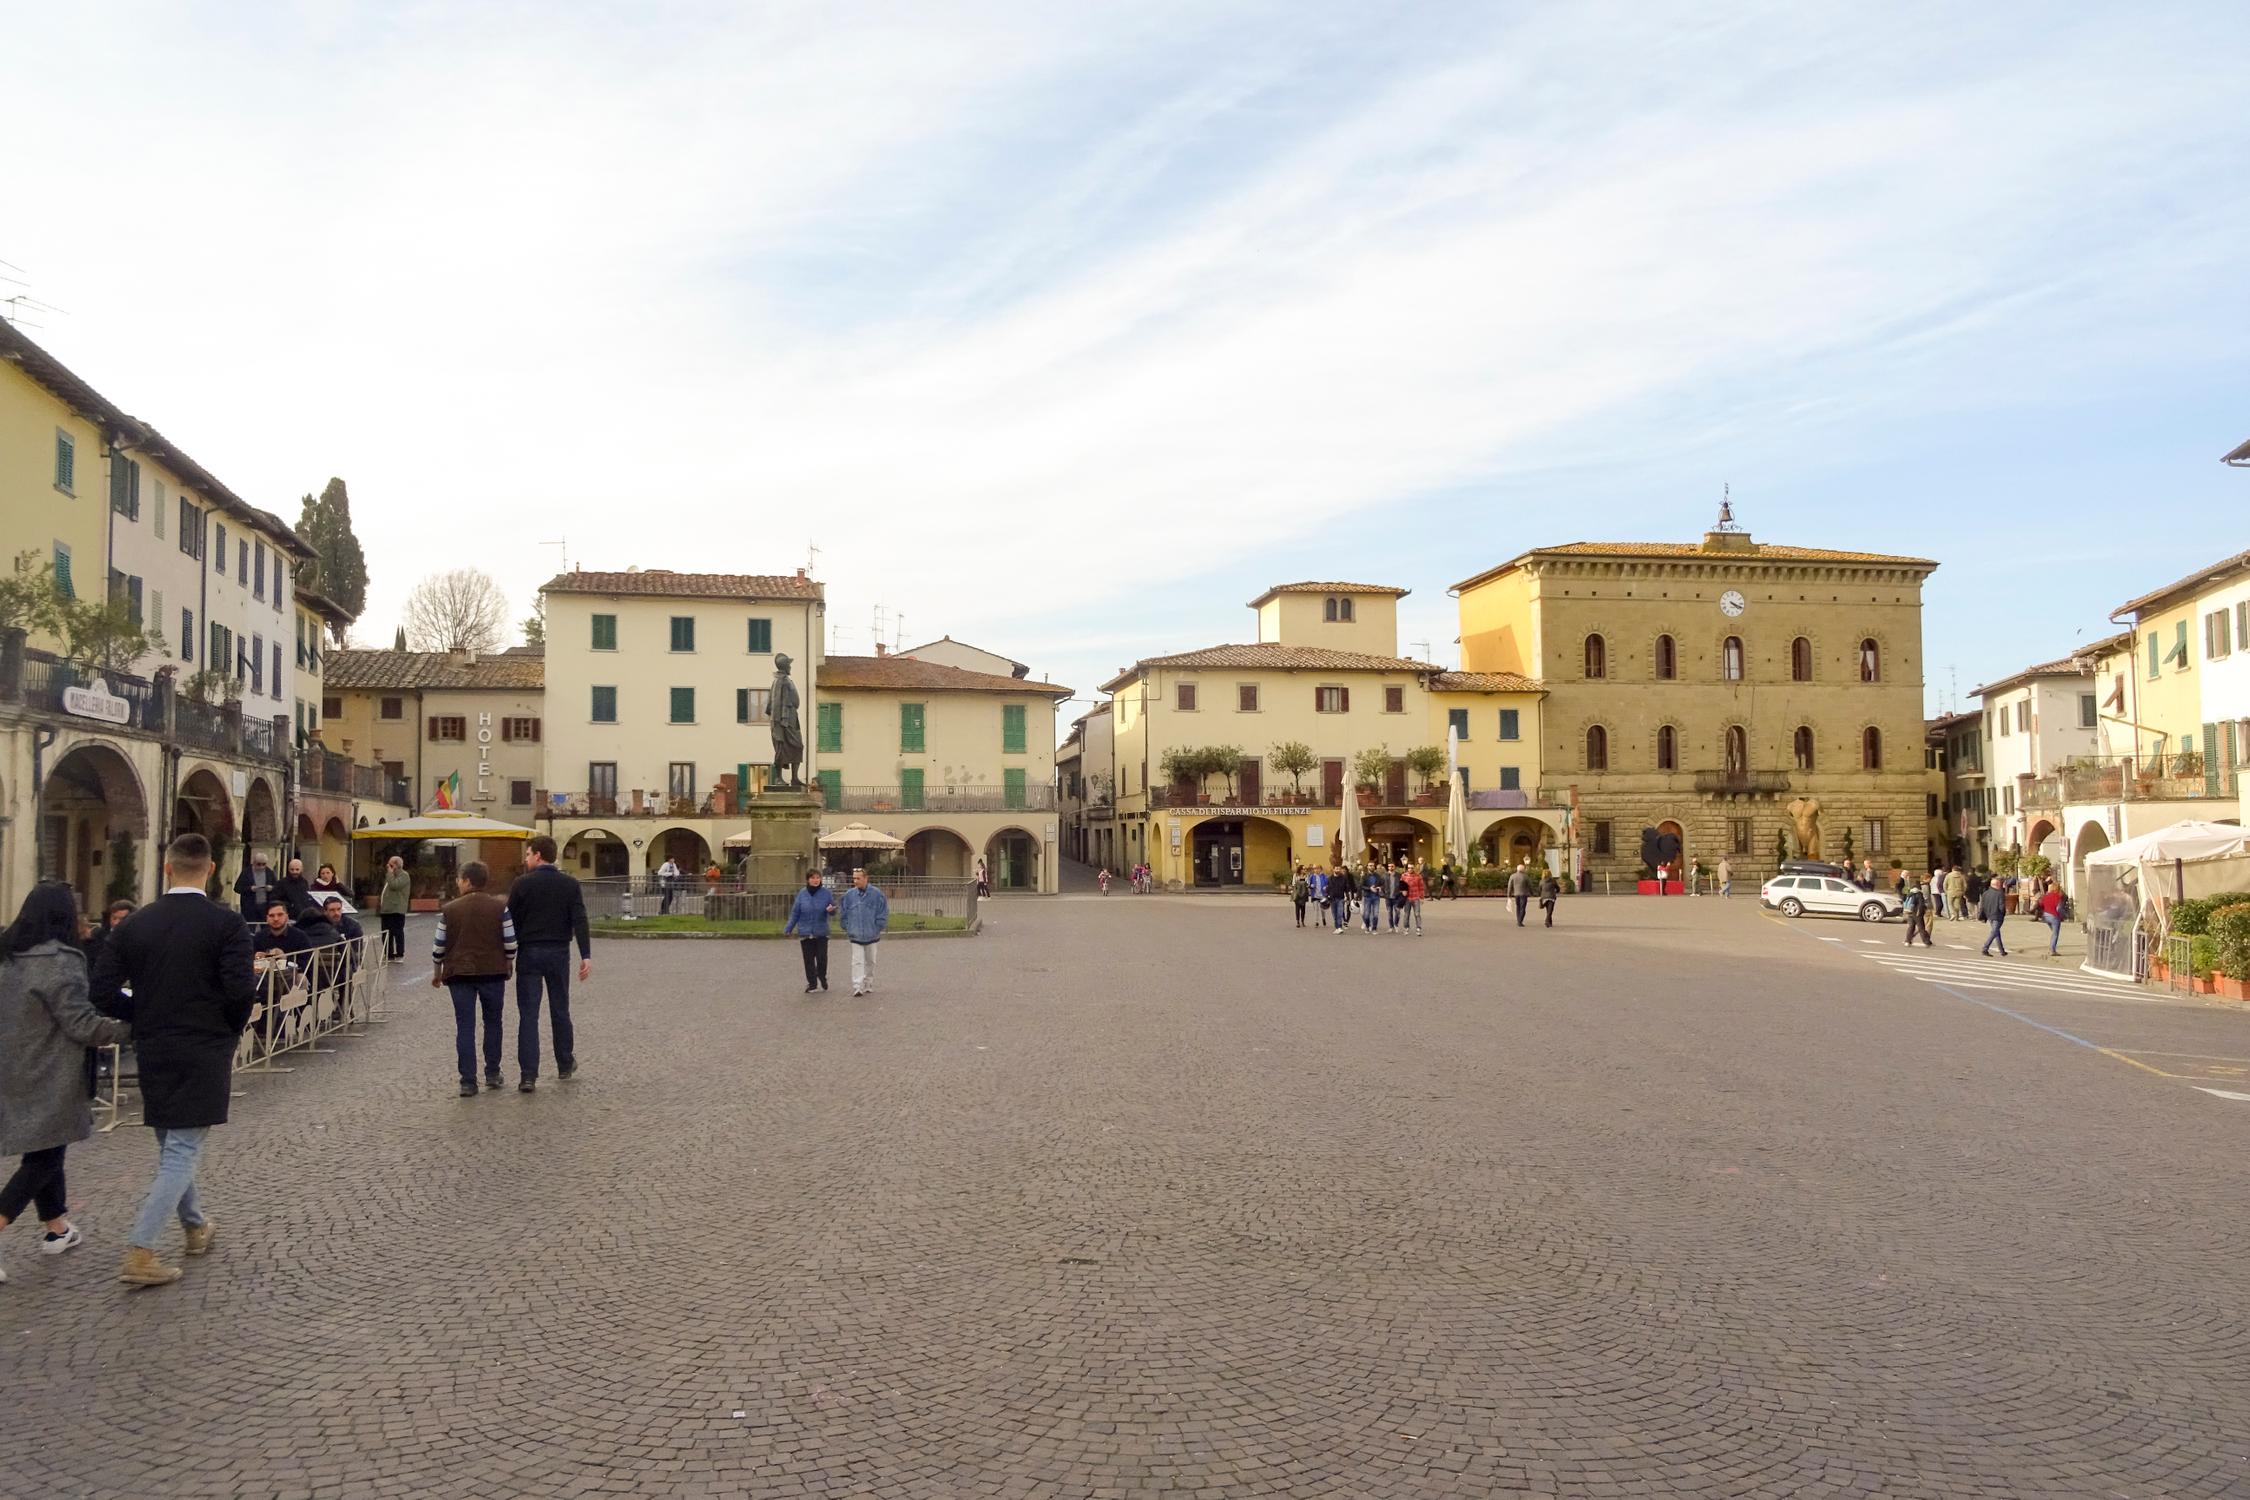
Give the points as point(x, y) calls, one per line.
point(960, 764)
point(1086, 783)
point(1703, 689)
point(1325, 674)
point(948, 652)
point(658, 716)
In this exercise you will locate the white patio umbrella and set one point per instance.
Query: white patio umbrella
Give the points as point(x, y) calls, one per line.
point(1456, 806)
point(1351, 834)
point(860, 836)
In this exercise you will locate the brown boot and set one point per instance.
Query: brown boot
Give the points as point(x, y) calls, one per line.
point(199, 1239)
point(142, 1268)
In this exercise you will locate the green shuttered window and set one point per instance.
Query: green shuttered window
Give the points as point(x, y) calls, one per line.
point(605, 632)
point(831, 722)
point(910, 728)
point(1011, 728)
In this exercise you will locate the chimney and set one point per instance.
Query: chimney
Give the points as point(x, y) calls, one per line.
point(800, 572)
point(881, 649)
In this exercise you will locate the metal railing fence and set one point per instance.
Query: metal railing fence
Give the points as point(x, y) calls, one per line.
point(637, 897)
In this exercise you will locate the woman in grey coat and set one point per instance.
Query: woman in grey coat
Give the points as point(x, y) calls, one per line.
point(46, 1024)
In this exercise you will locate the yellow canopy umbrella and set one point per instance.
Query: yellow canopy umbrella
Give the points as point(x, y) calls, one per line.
point(444, 825)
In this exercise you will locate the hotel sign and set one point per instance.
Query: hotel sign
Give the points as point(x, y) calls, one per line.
point(97, 702)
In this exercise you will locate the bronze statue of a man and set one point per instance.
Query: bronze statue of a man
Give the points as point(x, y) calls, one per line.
point(788, 732)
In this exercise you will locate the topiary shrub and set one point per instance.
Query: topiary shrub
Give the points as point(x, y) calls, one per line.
point(2193, 918)
point(2230, 936)
point(2203, 957)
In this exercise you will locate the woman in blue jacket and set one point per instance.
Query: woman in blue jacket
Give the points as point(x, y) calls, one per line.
point(808, 919)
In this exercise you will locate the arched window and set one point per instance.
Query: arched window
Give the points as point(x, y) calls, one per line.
point(1730, 659)
point(1597, 749)
point(1800, 660)
point(1667, 659)
point(1871, 749)
point(1597, 656)
point(1870, 661)
point(1738, 749)
point(1667, 749)
point(1339, 609)
point(1804, 747)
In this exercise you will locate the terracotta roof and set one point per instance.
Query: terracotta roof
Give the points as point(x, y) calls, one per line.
point(323, 606)
point(137, 436)
point(2122, 641)
point(2201, 576)
point(1329, 588)
point(1755, 552)
point(1274, 657)
point(433, 671)
point(662, 583)
point(1483, 682)
point(912, 674)
point(1944, 722)
point(2069, 666)
point(2240, 455)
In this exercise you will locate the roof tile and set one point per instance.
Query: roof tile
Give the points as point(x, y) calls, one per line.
point(663, 583)
point(432, 670)
point(912, 674)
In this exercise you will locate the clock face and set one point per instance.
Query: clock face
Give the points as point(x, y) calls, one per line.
point(1731, 603)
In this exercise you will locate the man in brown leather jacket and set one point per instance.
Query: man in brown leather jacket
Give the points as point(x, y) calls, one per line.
point(474, 949)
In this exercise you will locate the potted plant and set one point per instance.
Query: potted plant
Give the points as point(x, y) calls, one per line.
point(1427, 762)
point(1181, 764)
point(1223, 761)
point(1369, 768)
point(1296, 758)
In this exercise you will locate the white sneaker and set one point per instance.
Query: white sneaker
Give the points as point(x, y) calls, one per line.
point(57, 1244)
point(859, 992)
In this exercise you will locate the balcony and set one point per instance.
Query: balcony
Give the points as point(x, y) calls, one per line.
point(935, 801)
point(1741, 783)
point(2185, 776)
point(320, 771)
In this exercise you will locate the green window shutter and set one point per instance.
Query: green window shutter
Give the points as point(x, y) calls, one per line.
point(683, 705)
point(1011, 728)
point(761, 637)
point(830, 717)
point(910, 788)
point(1011, 786)
point(605, 632)
point(66, 462)
point(605, 705)
point(62, 572)
point(2155, 653)
point(683, 632)
point(831, 789)
point(1457, 723)
point(910, 728)
point(1511, 724)
point(1511, 779)
point(741, 705)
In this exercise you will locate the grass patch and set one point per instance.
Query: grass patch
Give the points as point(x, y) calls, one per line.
point(689, 926)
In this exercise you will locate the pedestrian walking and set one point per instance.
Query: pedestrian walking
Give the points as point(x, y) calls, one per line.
point(392, 905)
point(549, 911)
point(470, 955)
point(1339, 897)
point(186, 961)
point(1550, 891)
point(1519, 892)
point(1300, 892)
point(984, 881)
point(1916, 901)
point(1726, 876)
point(668, 881)
point(1101, 879)
point(864, 914)
point(255, 886)
point(1992, 906)
point(1445, 875)
point(1371, 898)
point(1316, 881)
point(1957, 893)
point(47, 1021)
point(1417, 891)
point(808, 920)
point(2050, 912)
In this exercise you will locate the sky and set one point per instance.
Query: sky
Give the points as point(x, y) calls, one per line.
point(1065, 329)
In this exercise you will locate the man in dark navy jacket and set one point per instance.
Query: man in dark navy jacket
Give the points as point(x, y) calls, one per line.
point(549, 913)
point(187, 961)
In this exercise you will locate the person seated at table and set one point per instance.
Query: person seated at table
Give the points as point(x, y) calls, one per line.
point(326, 881)
point(277, 936)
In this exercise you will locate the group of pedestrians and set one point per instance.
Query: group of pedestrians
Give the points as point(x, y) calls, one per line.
point(1397, 888)
point(864, 913)
point(1947, 894)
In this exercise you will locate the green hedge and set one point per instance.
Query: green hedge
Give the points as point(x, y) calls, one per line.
point(2203, 956)
point(2230, 935)
point(2193, 918)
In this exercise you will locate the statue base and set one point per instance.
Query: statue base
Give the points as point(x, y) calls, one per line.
point(784, 835)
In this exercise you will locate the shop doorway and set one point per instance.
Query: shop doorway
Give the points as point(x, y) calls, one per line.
point(1218, 852)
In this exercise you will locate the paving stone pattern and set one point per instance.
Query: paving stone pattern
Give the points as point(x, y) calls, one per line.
point(1149, 1196)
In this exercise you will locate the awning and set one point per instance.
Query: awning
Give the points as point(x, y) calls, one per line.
point(444, 825)
point(2182, 843)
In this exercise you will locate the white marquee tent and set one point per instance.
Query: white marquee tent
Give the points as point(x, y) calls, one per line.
point(2131, 887)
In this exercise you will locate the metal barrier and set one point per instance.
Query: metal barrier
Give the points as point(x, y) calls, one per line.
point(334, 990)
point(2179, 964)
point(637, 897)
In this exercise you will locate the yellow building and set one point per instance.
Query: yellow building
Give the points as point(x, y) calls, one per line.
point(1312, 680)
point(100, 768)
point(960, 764)
point(1727, 692)
point(658, 718)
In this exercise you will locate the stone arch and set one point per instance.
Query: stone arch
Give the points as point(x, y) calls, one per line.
point(335, 846)
point(597, 854)
point(1248, 851)
point(1012, 859)
point(940, 853)
point(2092, 839)
point(689, 848)
point(203, 805)
point(261, 814)
point(93, 818)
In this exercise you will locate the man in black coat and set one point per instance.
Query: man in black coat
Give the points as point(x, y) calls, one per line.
point(187, 961)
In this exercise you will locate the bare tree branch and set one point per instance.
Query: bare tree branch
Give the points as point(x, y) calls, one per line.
point(461, 609)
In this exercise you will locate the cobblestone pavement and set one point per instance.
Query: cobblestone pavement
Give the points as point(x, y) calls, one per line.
point(1149, 1196)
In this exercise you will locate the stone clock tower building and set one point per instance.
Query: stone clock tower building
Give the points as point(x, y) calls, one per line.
point(1740, 694)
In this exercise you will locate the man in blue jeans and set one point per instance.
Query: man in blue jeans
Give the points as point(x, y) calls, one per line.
point(549, 913)
point(474, 945)
point(187, 962)
point(1993, 907)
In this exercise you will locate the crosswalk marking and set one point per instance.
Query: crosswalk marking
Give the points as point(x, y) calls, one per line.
point(2002, 974)
point(2224, 1093)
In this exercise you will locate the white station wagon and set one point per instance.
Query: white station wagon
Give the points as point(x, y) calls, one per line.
point(1795, 895)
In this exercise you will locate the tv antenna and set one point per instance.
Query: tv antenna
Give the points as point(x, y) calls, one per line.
point(564, 543)
point(1425, 645)
point(812, 560)
point(15, 304)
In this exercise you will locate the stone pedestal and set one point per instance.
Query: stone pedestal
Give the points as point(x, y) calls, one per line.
point(784, 836)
